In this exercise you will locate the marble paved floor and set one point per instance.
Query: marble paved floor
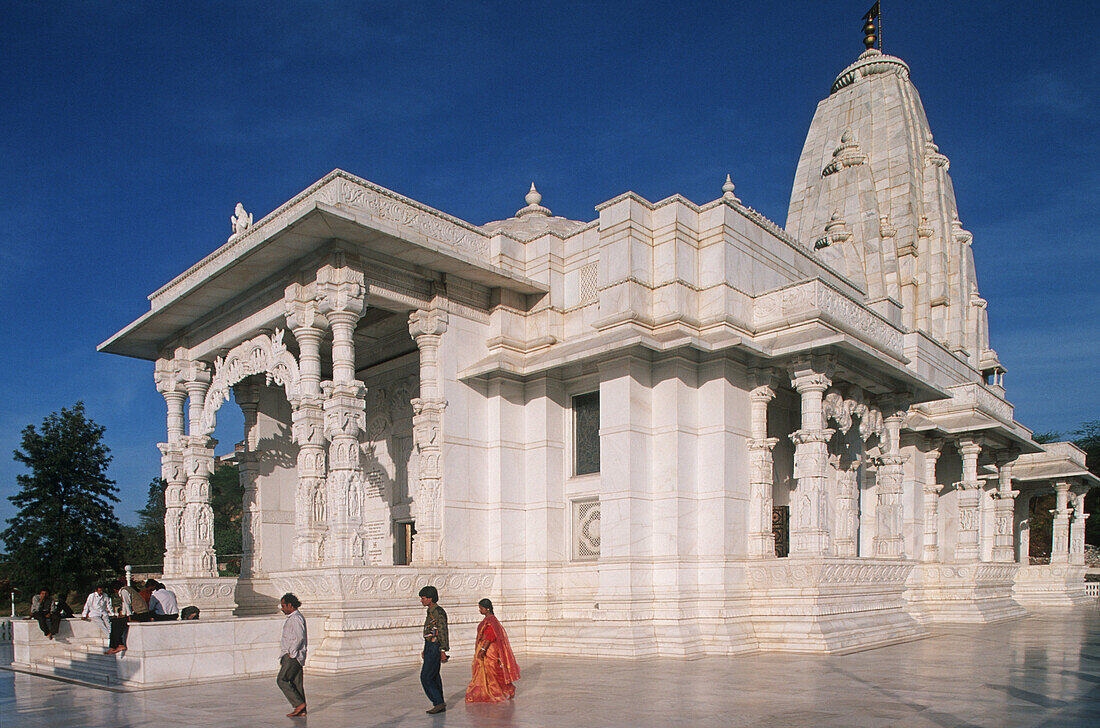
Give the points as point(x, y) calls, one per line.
point(1039, 671)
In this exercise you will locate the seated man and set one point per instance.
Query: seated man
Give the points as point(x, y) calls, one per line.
point(40, 610)
point(58, 610)
point(163, 603)
point(134, 609)
point(97, 608)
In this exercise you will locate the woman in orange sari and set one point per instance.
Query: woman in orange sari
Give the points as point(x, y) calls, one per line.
point(495, 667)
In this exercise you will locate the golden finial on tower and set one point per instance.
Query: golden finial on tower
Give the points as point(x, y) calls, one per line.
point(871, 33)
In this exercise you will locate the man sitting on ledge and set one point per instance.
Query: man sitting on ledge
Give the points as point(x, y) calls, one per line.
point(163, 603)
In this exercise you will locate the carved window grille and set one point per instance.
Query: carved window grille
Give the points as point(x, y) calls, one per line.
point(586, 433)
point(587, 284)
point(586, 529)
point(781, 529)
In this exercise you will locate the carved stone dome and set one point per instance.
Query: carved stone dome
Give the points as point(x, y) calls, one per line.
point(533, 220)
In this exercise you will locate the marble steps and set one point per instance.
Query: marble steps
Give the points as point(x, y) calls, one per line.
point(81, 662)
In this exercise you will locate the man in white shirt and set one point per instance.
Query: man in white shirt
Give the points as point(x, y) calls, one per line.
point(97, 608)
point(293, 646)
point(163, 604)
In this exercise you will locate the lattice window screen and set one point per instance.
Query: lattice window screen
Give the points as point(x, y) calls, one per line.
point(588, 292)
point(586, 530)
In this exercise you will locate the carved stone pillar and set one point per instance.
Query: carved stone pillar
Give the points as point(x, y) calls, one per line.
point(1077, 530)
point(889, 542)
point(427, 328)
point(198, 458)
point(846, 522)
point(169, 381)
point(308, 427)
point(969, 495)
point(1023, 529)
point(1004, 507)
point(761, 478)
point(931, 492)
point(1059, 546)
point(248, 465)
point(809, 517)
point(340, 294)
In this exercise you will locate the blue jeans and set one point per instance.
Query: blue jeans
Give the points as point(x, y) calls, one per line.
point(429, 673)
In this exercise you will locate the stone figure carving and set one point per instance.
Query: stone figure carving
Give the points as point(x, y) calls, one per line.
point(240, 220)
point(203, 526)
point(319, 506)
point(353, 498)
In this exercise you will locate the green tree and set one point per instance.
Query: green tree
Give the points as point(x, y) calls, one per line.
point(1087, 437)
point(226, 495)
point(145, 541)
point(65, 532)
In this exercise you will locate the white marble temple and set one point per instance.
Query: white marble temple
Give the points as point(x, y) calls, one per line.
point(675, 429)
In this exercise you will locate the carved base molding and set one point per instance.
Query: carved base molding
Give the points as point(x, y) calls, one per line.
point(830, 605)
point(975, 593)
point(356, 586)
point(373, 614)
point(215, 596)
point(1051, 585)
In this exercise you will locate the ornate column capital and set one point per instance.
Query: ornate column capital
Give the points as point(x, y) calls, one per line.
point(766, 444)
point(812, 371)
point(428, 322)
point(302, 309)
point(762, 383)
point(168, 375)
point(340, 290)
point(805, 436)
point(195, 372)
point(810, 381)
point(969, 446)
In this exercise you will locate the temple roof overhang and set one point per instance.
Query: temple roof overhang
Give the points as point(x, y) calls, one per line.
point(867, 355)
point(973, 407)
point(1054, 461)
point(339, 207)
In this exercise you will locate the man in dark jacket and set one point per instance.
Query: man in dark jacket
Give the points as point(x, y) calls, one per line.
point(436, 645)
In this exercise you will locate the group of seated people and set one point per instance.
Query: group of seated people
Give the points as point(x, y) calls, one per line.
point(151, 603)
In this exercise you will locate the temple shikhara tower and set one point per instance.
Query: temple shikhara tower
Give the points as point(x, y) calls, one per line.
point(674, 429)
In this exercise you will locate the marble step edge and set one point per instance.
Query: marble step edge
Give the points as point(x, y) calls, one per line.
point(48, 672)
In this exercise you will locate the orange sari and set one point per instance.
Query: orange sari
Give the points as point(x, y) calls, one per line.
point(495, 667)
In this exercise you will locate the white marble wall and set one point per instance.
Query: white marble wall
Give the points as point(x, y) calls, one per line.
point(276, 480)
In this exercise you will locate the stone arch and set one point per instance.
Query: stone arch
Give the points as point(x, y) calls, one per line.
point(262, 354)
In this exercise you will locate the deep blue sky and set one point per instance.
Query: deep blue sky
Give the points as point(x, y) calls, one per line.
point(129, 133)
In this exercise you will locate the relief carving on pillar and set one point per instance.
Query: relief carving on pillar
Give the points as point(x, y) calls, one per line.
point(317, 503)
